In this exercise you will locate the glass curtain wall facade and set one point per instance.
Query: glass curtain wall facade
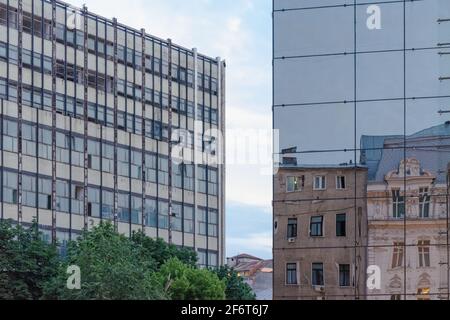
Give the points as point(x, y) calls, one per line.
point(365, 84)
point(89, 112)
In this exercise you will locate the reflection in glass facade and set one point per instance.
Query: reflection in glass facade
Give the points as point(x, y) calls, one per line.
point(362, 104)
point(87, 109)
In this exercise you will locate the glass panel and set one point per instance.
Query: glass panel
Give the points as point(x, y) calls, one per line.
point(333, 30)
point(380, 75)
point(314, 80)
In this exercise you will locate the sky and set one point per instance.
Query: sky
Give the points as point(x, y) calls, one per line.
point(239, 32)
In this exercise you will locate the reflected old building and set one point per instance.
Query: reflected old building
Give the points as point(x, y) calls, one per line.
point(320, 232)
point(367, 81)
point(407, 206)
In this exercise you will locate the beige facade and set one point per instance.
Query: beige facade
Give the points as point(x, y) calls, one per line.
point(422, 257)
point(324, 258)
point(88, 117)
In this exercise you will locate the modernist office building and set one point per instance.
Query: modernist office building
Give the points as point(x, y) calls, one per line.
point(90, 114)
point(358, 82)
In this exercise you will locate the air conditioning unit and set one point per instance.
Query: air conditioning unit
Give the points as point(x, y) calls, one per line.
point(320, 289)
point(292, 240)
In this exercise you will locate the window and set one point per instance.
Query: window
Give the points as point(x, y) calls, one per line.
point(344, 275)
point(12, 16)
point(3, 51)
point(136, 165)
point(202, 258)
point(163, 172)
point(341, 183)
point(213, 259)
point(163, 215)
point(202, 179)
point(424, 254)
point(136, 210)
point(10, 191)
point(188, 219)
point(423, 294)
point(77, 151)
point(424, 203)
point(341, 225)
point(45, 193)
point(398, 204)
point(108, 158)
point(291, 274)
point(29, 139)
point(2, 89)
point(29, 191)
point(94, 202)
point(202, 221)
point(317, 274)
point(177, 218)
point(93, 155)
point(177, 175)
point(151, 213)
point(107, 204)
point(320, 183)
point(13, 54)
point(188, 182)
point(214, 117)
point(45, 143)
point(10, 134)
point(317, 226)
point(62, 147)
point(213, 222)
point(398, 255)
point(150, 167)
point(62, 196)
point(396, 297)
point(3, 14)
point(295, 184)
point(212, 182)
point(77, 198)
point(292, 228)
point(124, 208)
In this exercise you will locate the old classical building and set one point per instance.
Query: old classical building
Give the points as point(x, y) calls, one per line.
point(320, 232)
point(408, 211)
point(90, 113)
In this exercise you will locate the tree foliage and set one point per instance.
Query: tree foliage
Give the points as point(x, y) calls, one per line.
point(26, 262)
point(160, 252)
point(111, 267)
point(236, 288)
point(183, 282)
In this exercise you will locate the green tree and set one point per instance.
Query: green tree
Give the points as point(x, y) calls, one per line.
point(183, 282)
point(26, 262)
point(111, 267)
point(160, 252)
point(236, 288)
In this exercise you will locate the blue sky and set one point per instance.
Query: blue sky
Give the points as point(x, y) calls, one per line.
point(238, 31)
